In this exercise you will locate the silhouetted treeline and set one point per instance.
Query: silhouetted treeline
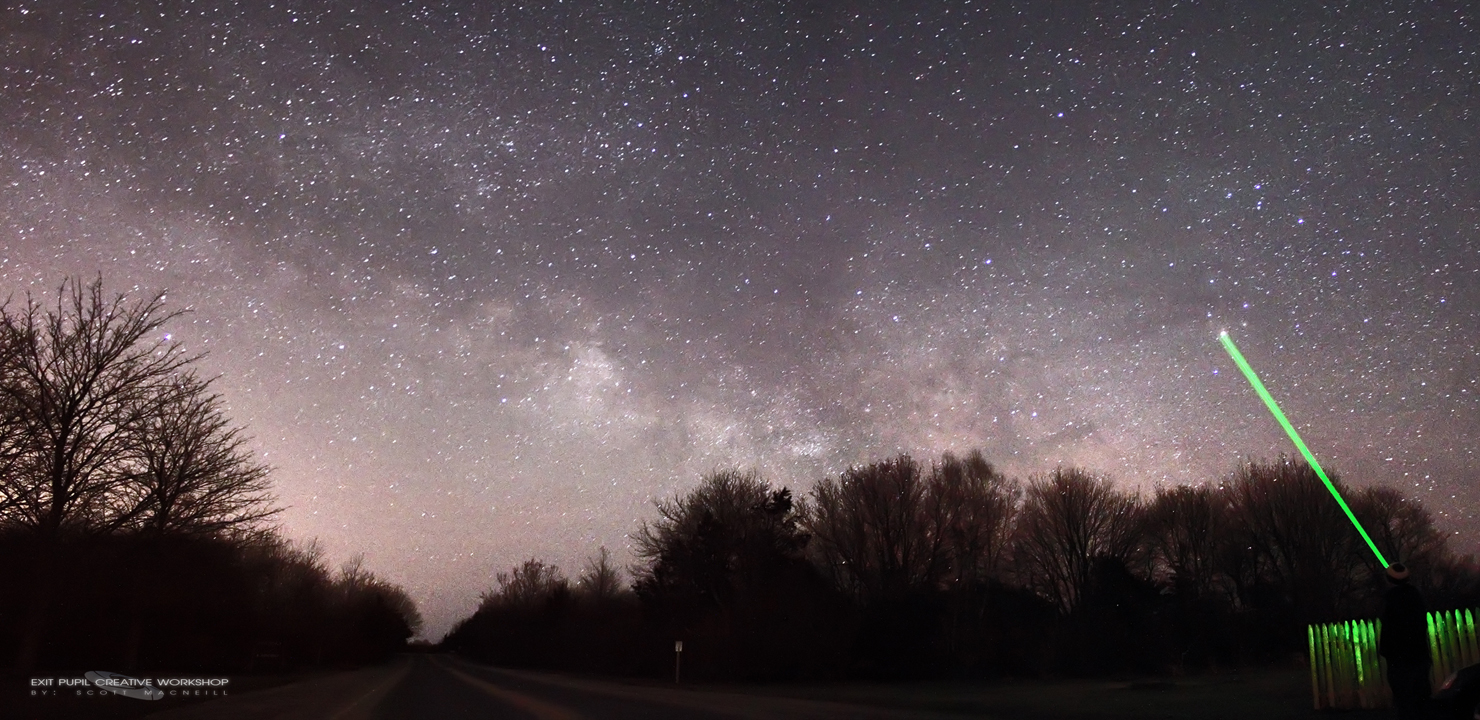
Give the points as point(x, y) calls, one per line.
point(538, 617)
point(133, 519)
point(898, 569)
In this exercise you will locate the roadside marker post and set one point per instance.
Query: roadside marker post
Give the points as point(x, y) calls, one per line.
point(677, 659)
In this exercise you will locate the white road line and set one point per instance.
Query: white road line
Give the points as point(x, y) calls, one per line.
point(360, 707)
point(538, 708)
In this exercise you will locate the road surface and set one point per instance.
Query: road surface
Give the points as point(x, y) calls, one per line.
point(441, 686)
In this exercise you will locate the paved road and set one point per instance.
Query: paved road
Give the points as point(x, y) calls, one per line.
point(439, 686)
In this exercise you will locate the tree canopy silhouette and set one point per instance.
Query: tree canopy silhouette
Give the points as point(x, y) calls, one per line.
point(1070, 520)
point(891, 528)
point(106, 428)
point(131, 505)
point(706, 544)
point(895, 569)
point(1301, 549)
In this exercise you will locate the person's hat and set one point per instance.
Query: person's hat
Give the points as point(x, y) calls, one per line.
point(1397, 572)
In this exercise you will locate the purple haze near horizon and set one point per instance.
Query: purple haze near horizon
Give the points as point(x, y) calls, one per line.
point(483, 280)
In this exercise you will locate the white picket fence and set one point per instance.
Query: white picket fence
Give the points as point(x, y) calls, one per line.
point(1347, 673)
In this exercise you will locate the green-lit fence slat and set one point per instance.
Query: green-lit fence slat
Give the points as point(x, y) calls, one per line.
point(1369, 675)
point(1318, 664)
point(1314, 665)
point(1434, 651)
point(1446, 643)
point(1340, 654)
point(1451, 651)
point(1451, 638)
point(1466, 639)
point(1474, 642)
point(1338, 670)
point(1384, 694)
point(1362, 656)
point(1461, 643)
point(1379, 674)
point(1441, 640)
point(1326, 671)
point(1473, 651)
point(1384, 691)
point(1347, 671)
point(1331, 665)
point(1456, 652)
point(1364, 663)
point(1436, 640)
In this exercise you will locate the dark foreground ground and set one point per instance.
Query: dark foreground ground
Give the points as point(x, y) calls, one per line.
point(441, 686)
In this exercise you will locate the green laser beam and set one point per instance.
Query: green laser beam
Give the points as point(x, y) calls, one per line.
point(1243, 365)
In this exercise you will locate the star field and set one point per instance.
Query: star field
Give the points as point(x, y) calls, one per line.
point(484, 279)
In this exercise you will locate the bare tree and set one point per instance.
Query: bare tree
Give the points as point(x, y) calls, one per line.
point(710, 542)
point(600, 580)
point(971, 507)
point(869, 534)
point(1401, 527)
point(357, 585)
point(400, 604)
point(12, 433)
point(530, 584)
point(1297, 538)
point(78, 382)
point(1186, 530)
point(889, 529)
point(193, 473)
point(1070, 520)
point(354, 577)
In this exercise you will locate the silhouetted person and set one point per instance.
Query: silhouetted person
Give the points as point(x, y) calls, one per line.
point(1405, 644)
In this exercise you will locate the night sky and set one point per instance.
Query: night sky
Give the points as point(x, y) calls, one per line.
point(484, 280)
